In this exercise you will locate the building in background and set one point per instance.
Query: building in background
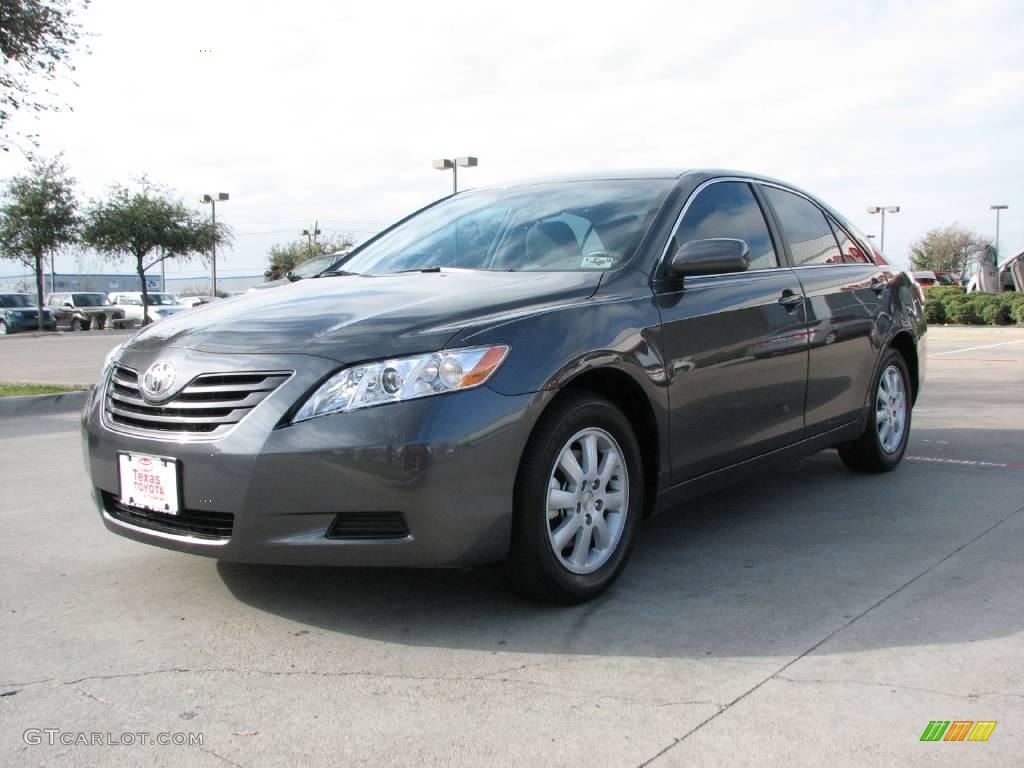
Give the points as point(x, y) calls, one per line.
point(122, 282)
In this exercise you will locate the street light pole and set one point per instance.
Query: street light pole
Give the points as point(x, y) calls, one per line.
point(882, 209)
point(445, 164)
point(997, 209)
point(311, 236)
point(221, 196)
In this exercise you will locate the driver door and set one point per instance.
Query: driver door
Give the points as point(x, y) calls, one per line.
point(735, 344)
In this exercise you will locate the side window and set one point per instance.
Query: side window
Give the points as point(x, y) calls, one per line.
point(805, 228)
point(852, 253)
point(729, 209)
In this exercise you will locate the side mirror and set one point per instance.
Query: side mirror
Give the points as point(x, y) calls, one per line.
point(69, 305)
point(716, 256)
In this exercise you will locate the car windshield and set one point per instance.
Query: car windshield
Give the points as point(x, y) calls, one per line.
point(162, 299)
point(314, 266)
point(566, 226)
point(91, 300)
point(10, 300)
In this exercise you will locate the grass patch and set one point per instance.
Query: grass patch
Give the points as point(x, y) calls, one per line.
point(9, 389)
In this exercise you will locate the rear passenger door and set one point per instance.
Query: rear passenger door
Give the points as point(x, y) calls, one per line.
point(846, 298)
point(735, 344)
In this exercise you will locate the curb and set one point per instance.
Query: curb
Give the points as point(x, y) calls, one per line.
point(30, 405)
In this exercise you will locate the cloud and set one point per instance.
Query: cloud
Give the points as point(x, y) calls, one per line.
point(335, 110)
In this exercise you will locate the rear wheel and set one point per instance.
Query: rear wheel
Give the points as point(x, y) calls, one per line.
point(4, 330)
point(578, 497)
point(884, 441)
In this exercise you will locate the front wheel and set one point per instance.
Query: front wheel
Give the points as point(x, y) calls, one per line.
point(578, 497)
point(4, 330)
point(77, 325)
point(884, 441)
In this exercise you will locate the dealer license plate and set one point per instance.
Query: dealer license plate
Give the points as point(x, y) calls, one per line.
point(149, 482)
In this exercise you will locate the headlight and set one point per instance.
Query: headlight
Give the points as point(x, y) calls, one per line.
point(109, 360)
point(405, 378)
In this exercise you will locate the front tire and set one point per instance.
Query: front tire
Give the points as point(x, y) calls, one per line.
point(77, 325)
point(884, 441)
point(578, 498)
point(4, 330)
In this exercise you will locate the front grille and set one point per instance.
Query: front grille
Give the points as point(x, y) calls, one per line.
point(209, 405)
point(200, 524)
point(368, 525)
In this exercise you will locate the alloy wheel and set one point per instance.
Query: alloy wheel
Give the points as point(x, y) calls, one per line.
point(587, 501)
point(891, 409)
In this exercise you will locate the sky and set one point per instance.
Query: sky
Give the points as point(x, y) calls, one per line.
point(334, 111)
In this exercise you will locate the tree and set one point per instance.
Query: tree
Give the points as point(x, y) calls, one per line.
point(37, 38)
point(946, 249)
point(149, 226)
point(40, 217)
point(287, 257)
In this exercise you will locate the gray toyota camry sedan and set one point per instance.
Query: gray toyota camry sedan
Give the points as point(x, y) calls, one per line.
point(518, 374)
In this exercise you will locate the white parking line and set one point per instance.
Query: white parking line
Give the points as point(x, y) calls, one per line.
point(983, 346)
point(965, 462)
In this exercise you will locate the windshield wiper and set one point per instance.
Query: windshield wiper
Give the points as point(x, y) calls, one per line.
point(336, 273)
point(418, 269)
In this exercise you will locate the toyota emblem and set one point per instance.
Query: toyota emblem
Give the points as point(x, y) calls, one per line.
point(158, 380)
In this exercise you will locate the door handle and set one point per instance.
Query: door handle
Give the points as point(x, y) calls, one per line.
point(878, 285)
point(790, 300)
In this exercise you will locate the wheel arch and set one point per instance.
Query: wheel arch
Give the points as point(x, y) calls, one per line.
point(629, 396)
point(903, 342)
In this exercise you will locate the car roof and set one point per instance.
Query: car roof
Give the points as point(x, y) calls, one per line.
point(639, 173)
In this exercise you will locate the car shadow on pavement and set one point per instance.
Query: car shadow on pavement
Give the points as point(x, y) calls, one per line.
point(767, 568)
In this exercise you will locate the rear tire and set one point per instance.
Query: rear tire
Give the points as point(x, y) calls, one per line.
point(881, 446)
point(584, 456)
point(4, 330)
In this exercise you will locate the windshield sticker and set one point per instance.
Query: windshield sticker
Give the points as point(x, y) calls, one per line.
point(597, 262)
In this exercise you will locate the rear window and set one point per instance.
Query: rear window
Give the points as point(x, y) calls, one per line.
point(805, 228)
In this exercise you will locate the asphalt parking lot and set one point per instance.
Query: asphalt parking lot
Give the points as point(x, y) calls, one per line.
point(814, 617)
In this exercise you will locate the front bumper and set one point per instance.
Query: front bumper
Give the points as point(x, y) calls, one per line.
point(447, 464)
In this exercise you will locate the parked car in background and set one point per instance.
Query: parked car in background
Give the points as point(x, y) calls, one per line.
point(19, 312)
point(306, 270)
point(947, 278)
point(81, 311)
point(516, 374)
point(193, 301)
point(161, 305)
point(925, 279)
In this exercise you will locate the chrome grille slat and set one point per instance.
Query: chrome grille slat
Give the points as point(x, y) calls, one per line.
point(207, 406)
point(230, 418)
point(247, 401)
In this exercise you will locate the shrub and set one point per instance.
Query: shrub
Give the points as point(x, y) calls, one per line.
point(1017, 312)
point(995, 312)
point(941, 292)
point(934, 310)
point(960, 310)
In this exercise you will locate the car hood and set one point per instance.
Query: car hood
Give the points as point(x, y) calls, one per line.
point(353, 317)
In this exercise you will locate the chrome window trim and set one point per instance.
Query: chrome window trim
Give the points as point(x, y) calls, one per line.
point(747, 180)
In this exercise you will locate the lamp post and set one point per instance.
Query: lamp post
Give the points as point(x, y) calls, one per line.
point(997, 209)
point(221, 197)
point(459, 162)
point(882, 210)
point(310, 236)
